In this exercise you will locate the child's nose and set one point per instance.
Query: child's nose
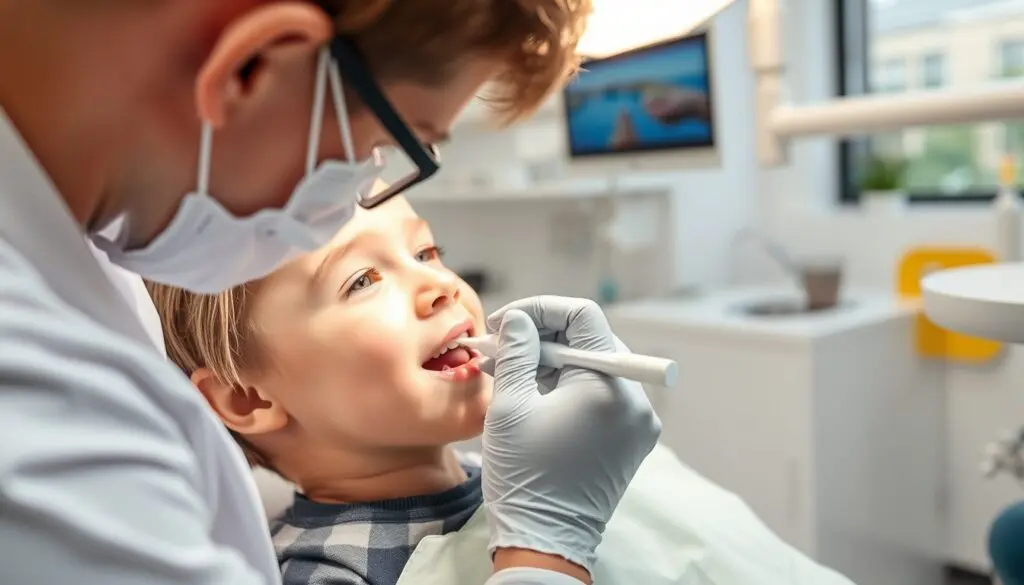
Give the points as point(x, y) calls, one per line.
point(439, 290)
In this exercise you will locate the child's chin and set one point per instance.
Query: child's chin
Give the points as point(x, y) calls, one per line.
point(467, 434)
point(470, 427)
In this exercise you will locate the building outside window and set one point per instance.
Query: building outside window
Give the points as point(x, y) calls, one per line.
point(889, 76)
point(893, 45)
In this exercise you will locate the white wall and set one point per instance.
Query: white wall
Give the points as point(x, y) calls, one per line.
point(800, 208)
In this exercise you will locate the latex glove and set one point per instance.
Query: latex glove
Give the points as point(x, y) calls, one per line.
point(559, 446)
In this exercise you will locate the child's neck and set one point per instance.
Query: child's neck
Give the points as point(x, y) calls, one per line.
point(352, 478)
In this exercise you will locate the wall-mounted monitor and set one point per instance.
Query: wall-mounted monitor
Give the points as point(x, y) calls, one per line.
point(654, 100)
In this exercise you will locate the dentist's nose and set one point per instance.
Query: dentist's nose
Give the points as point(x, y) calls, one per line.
point(438, 289)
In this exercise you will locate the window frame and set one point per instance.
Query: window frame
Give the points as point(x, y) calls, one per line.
point(852, 62)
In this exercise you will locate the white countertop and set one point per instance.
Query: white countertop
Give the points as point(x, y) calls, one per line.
point(722, 311)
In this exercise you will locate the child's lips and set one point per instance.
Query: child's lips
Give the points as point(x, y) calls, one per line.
point(450, 341)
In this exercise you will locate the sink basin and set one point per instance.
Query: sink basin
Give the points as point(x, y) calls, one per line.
point(779, 308)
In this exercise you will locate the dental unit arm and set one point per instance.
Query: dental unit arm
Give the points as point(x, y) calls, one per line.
point(641, 368)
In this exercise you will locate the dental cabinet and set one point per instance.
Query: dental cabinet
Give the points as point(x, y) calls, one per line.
point(827, 425)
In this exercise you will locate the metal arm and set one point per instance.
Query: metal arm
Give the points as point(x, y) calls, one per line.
point(779, 121)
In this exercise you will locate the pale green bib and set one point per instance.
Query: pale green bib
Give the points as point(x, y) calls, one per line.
point(673, 527)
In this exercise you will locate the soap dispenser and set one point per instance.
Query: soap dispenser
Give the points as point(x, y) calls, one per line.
point(1008, 213)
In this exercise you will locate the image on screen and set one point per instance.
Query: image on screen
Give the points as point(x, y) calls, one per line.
point(654, 98)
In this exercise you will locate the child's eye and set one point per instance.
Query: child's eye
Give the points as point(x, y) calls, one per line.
point(362, 281)
point(430, 254)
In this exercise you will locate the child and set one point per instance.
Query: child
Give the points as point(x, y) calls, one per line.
point(341, 372)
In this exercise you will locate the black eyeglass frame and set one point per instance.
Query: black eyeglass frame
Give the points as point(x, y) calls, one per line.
point(356, 76)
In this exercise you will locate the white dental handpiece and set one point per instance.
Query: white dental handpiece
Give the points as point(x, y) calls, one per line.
point(642, 368)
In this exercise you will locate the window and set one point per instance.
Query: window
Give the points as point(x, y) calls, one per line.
point(933, 70)
point(894, 45)
point(1011, 58)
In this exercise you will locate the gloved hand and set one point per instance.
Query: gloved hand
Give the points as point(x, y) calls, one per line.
point(559, 446)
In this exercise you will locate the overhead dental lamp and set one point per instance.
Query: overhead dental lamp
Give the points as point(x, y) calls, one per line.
point(984, 301)
point(620, 25)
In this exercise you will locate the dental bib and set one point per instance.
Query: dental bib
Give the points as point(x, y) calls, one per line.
point(672, 527)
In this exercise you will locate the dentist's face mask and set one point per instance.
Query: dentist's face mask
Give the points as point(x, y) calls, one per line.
point(206, 249)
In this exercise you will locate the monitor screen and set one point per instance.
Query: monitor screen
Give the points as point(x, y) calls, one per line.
point(648, 99)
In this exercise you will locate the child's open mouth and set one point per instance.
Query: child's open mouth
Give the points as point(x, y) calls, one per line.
point(448, 359)
point(453, 361)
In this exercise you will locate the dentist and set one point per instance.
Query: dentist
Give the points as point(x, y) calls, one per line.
point(201, 143)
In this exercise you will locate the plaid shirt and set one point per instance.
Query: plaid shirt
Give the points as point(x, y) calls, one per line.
point(368, 543)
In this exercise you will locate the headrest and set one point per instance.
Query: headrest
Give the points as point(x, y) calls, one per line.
point(276, 493)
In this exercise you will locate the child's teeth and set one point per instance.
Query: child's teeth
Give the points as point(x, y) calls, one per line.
point(445, 368)
point(451, 345)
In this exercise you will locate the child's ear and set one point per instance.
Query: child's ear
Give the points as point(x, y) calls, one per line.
point(243, 410)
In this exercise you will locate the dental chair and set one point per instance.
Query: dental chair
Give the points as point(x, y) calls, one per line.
point(275, 492)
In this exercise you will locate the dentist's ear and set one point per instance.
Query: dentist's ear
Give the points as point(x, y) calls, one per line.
point(243, 410)
point(237, 63)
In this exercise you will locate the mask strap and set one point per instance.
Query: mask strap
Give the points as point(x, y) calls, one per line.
point(205, 149)
point(342, 112)
point(316, 122)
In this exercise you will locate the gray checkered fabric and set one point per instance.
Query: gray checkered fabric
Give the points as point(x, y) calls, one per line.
point(368, 543)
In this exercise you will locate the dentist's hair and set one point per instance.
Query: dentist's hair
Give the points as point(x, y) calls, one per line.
point(428, 41)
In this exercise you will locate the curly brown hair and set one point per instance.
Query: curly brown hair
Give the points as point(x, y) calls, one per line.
point(427, 41)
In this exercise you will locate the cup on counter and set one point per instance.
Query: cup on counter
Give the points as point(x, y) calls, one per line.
point(822, 279)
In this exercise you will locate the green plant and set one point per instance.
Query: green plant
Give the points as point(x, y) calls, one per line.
point(883, 175)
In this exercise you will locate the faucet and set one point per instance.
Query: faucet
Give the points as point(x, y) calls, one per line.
point(819, 284)
point(776, 252)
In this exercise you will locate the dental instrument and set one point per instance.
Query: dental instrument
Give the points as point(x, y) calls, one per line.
point(641, 368)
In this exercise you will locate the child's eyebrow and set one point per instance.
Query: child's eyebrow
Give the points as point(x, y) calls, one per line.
point(411, 226)
point(330, 258)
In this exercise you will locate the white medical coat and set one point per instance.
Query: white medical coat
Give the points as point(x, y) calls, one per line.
point(112, 468)
point(113, 471)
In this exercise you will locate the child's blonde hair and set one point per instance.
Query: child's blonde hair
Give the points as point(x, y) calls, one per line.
point(214, 332)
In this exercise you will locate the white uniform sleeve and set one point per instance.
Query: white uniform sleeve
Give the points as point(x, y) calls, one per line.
point(531, 577)
point(97, 484)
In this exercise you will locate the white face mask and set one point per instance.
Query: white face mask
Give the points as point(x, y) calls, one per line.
point(206, 249)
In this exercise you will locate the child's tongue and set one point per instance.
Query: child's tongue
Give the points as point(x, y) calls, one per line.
point(453, 358)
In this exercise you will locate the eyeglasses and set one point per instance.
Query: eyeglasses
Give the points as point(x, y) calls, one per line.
point(425, 159)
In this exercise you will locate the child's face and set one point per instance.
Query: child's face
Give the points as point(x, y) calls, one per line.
point(347, 331)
